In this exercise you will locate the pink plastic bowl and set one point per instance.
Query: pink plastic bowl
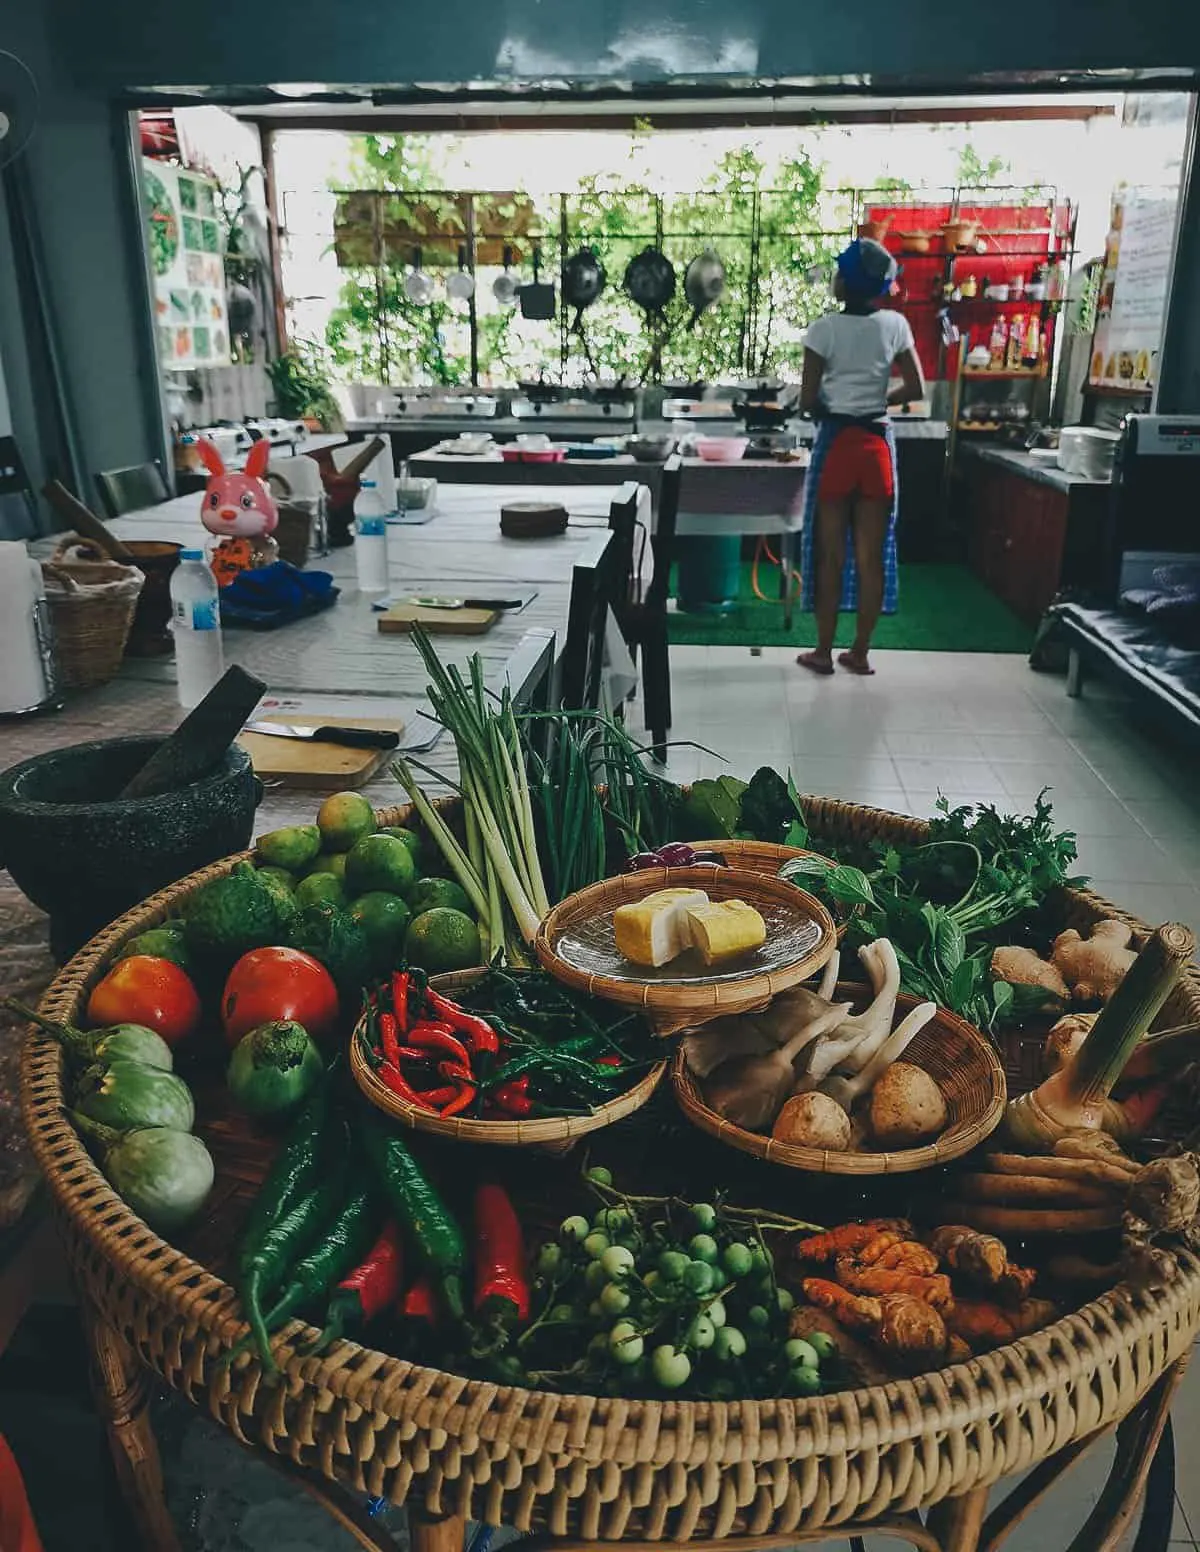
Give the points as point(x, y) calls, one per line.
point(722, 449)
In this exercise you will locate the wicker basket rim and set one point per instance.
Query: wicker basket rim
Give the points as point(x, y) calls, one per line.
point(1022, 1372)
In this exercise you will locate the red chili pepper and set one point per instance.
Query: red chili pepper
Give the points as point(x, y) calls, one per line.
point(501, 1282)
point(368, 1290)
point(413, 1053)
point(461, 1100)
point(400, 984)
point(395, 1080)
point(455, 1072)
point(439, 1097)
point(387, 1034)
point(420, 1302)
point(609, 1061)
point(514, 1098)
point(479, 1032)
point(438, 1037)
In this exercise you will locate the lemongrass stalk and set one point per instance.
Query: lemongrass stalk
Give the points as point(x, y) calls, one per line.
point(495, 911)
point(447, 844)
point(525, 811)
point(526, 915)
point(523, 854)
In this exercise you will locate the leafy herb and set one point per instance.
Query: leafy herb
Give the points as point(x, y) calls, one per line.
point(712, 810)
point(771, 809)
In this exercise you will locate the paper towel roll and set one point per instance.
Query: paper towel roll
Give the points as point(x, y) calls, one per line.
point(22, 674)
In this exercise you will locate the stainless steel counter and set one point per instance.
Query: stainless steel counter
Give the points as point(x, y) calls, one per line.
point(1017, 461)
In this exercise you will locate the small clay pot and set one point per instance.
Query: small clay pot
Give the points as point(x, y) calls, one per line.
point(86, 855)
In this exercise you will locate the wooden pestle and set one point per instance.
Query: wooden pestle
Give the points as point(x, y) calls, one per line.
point(85, 522)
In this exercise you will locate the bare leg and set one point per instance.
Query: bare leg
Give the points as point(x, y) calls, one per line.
point(870, 529)
point(829, 555)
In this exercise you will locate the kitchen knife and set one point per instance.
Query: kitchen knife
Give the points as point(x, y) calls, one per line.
point(468, 603)
point(348, 737)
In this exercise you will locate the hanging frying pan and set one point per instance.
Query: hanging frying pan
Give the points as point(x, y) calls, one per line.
point(650, 280)
point(583, 280)
point(704, 282)
point(505, 286)
point(537, 298)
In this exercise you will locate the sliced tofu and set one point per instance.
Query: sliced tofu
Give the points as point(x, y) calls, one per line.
point(653, 931)
point(725, 929)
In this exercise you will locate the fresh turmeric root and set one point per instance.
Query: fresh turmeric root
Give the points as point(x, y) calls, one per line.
point(901, 1255)
point(983, 1325)
point(857, 1278)
point(905, 1328)
point(852, 1238)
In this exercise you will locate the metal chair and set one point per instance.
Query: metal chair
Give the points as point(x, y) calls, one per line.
point(124, 490)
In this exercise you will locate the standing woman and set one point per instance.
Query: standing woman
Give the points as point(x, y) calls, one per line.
point(851, 488)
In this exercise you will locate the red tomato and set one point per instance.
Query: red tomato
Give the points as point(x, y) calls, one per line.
point(279, 983)
point(144, 989)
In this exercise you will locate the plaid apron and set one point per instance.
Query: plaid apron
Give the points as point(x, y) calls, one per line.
point(827, 429)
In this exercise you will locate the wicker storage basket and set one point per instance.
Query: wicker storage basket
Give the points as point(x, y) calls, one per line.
point(92, 604)
point(591, 1466)
point(555, 1132)
point(961, 1060)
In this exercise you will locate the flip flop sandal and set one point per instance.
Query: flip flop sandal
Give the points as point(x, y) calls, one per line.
point(806, 660)
point(851, 663)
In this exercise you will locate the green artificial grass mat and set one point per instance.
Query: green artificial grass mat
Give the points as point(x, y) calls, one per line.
point(942, 608)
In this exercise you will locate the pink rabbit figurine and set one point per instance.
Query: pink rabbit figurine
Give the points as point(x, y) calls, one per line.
point(239, 508)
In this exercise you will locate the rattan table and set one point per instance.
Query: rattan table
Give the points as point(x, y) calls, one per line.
point(913, 1459)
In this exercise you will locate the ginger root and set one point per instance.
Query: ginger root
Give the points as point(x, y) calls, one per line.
point(1063, 1040)
point(981, 1260)
point(982, 1324)
point(1012, 962)
point(1095, 966)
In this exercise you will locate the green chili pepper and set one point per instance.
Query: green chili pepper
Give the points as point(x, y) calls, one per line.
point(294, 1173)
point(421, 1212)
point(343, 1242)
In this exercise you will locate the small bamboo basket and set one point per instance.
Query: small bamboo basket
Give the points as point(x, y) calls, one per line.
point(963, 1063)
point(92, 604)
point(675, 1005)
point(767, 857)
point(554, 1132)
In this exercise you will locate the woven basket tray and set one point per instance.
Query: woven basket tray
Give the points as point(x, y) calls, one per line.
point(961, 1060)
point(553, 1131)
point(595, 1467)
point(673, 1005)
point(92, 605)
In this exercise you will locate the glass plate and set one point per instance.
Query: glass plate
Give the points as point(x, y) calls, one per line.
point(591, 947)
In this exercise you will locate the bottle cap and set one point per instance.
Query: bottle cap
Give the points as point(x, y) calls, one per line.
point(191, 555)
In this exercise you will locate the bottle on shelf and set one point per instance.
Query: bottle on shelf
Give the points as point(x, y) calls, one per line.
point(1032, 349)
point(1016, 289)
point(196, 626)
point(998, 344)
point(1016, 337)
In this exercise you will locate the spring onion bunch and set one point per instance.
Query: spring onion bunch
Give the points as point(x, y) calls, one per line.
point(499, 865)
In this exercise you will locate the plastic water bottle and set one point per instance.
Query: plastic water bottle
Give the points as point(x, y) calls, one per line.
point(371, 550)
point(196, 625)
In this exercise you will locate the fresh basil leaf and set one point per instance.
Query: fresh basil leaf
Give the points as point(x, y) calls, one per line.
point(806, 867)
point(950, 945)
point(962, 985)
point(797, 834)
point(850, 886)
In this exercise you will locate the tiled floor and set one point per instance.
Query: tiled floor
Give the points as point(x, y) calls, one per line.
point(977, 728)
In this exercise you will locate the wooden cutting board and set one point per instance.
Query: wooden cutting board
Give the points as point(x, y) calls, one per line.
point(300, 762)
point(401, 618)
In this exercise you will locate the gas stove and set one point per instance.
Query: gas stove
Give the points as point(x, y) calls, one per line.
point(428, 403)
point(608, 409)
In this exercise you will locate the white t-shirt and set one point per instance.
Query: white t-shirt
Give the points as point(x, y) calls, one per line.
point(858, 350)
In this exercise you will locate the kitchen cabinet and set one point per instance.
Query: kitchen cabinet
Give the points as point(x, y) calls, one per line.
point(1030, 530)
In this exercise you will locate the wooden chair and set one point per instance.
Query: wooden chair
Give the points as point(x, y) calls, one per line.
point(598, 584)
point(125, 490)
point(644, 623)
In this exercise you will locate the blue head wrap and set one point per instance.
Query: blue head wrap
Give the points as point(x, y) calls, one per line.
point(866, 267)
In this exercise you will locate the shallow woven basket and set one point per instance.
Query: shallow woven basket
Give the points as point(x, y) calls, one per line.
point(594, 1466)
point(768, 857)
point(543, 1130)
point(92, 605)
point(673, 1005)
point(962, 1062)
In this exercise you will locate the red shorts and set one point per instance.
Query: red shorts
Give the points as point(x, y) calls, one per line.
point(859, 463)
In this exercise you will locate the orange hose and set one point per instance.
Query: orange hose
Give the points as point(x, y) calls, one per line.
point(760, 549)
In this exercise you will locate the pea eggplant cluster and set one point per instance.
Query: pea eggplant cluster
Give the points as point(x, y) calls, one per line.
point(514, 1045)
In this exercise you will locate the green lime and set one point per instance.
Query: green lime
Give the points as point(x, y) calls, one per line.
point(384, 918)
point(380, 862)
point(330, 862)
point(432, 894)
point(410, 838)
point(293, 847)
point(318, 888)
point(442, 940)
point(343, 818)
